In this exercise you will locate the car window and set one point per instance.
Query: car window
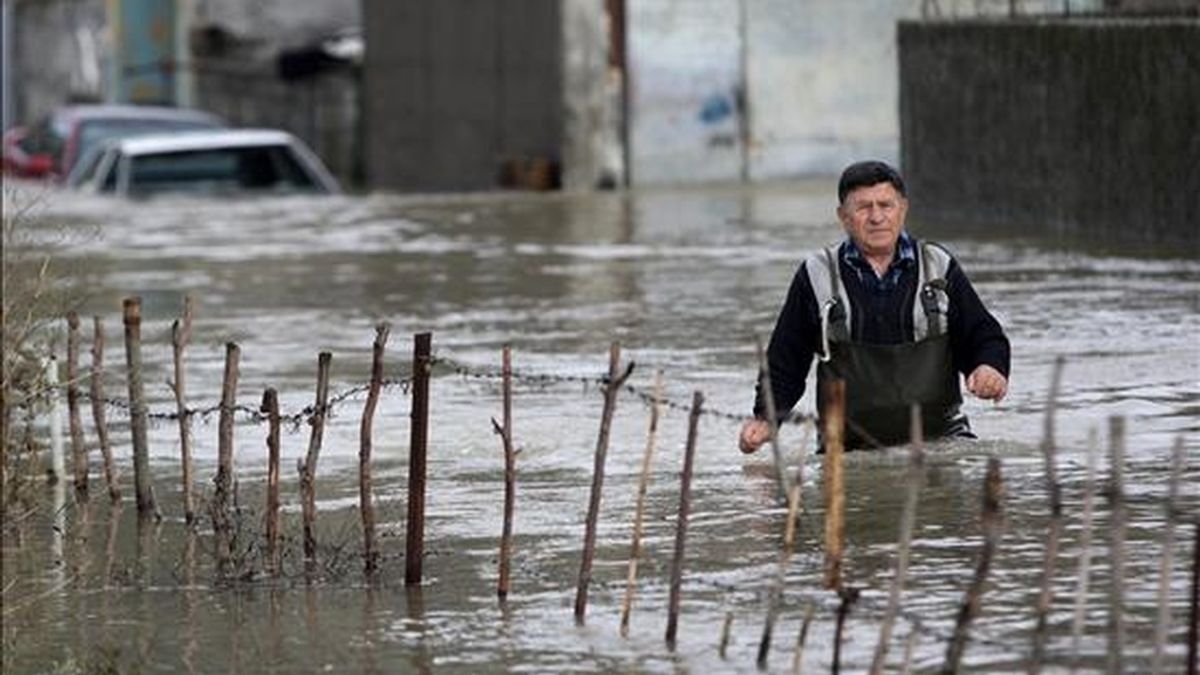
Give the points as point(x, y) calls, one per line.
point(271, 168)
point(110, 179)
point(93, 132)
point(85, 169)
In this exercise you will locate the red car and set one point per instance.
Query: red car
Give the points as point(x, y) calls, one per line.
point(59, 140)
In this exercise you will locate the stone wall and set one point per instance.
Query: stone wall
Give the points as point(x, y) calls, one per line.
point(1082, 130)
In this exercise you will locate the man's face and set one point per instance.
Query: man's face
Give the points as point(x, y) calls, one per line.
point(874, 216)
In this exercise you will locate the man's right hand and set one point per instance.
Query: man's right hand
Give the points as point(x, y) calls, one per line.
point(755, 432)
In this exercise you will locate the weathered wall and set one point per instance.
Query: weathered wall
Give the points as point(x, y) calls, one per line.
point(58, 52)
point(1081, 128)
point(233, 61)
point(822, 84)
point(592, 152)
point(278, 23)
point(454, 89)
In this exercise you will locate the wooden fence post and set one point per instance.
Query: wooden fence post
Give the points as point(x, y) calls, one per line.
point(685, 507)
point(270, 407)
point(1054, 527)
point(635, 548)
point(143, 487)
point(908, 522)
point(224, 479)
point(1116, 544)
point(418, 437)
point(1193, 634)
point(834, 417)
point(181, 334)
point(308, 470)
point(615, 380)
point(510, 475)
point(768, 397)
point(1162, 627)
point(991, 522)
point(98, 417)
point(1084, 571)
point(365, 499)
point(78, 450)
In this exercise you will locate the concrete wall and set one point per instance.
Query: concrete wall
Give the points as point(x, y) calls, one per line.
point(272, 24)
point(1075, 129)
point(233, 60)
point(454, 89)
point(822, 84)
point(58, 54)
point(592, 146)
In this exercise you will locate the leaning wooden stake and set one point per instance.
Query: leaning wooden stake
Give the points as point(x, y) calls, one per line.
point(908, 521)
point(270, 408)
point(308, 470)
point(1162, 627)
point(78, 451)
point(910, 646)
point(635, 548)
point(510, 475)
point(726, 628)
point(615, 380)
point(414, 554)
point(849, 596)
point(772, 420)
point(1084, 572)
point(685, 501)
point(181, 334)
point(137, 407)
point(1116, 544)
point(802, 637)
point(992, 521)
point(835, 498)
point(365, 500)
point(794, 501)
point(98, 417)
point(224, 481)
point(1193, 635)
point(1054, 527)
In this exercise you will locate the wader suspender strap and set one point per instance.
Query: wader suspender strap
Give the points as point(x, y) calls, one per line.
point(835, 294)
point(931, 284)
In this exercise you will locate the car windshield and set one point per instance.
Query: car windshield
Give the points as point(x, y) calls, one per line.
point(270, 167)
point(85, 169)
point(92, 132)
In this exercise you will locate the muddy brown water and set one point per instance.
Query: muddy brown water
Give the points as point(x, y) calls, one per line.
point(684, 279)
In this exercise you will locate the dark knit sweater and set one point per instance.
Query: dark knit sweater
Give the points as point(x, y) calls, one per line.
point(882, 313)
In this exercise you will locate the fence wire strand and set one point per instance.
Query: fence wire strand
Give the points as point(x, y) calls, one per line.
point(295, 421)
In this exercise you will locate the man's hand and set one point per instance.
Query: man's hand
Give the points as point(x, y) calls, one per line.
point(987, 383)
point(755, 432)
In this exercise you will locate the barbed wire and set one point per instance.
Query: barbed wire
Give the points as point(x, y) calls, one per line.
point(296, 420)
point(543, 379)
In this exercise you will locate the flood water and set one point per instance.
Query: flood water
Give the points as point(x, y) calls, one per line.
point(684, 280)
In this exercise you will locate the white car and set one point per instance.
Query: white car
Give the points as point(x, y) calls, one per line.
point(217, 162)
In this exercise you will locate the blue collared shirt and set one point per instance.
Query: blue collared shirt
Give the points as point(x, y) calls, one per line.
point(906, 256)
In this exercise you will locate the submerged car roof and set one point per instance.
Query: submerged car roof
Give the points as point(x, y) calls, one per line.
point(183, 141)
point(117, 111)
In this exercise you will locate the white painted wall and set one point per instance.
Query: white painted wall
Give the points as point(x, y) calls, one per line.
point(684, 71)
point(821, 86)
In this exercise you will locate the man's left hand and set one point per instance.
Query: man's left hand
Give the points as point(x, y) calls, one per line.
point(987, 383)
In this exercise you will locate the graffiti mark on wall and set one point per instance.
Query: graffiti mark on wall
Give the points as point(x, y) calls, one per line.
point(716, 108)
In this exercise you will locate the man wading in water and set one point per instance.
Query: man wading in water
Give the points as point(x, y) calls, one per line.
point(894, 317)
